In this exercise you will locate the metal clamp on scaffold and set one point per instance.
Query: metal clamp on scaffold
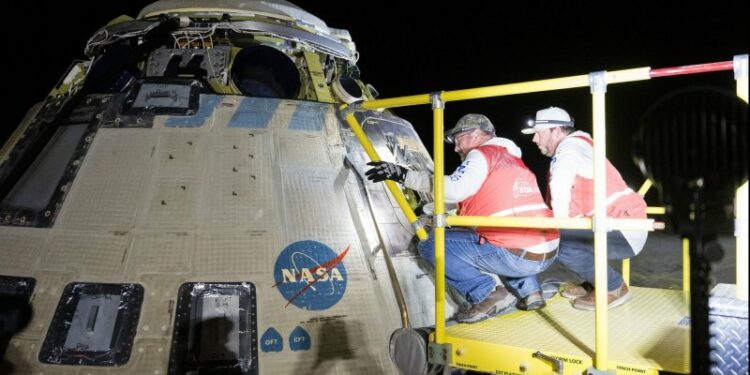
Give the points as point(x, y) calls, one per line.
point(597, 81)
point(599, 224)
point(417, 225)
point(346, 109)
point(740, 66)
point(440, 221)
point(436, 98)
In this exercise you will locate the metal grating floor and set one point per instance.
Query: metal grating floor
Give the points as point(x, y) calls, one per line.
point(651, 331)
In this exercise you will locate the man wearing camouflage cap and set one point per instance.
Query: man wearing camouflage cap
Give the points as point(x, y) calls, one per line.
point(492, 180)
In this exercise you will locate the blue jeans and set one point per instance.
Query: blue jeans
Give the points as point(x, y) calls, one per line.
point(467, 255)
point(577, 254)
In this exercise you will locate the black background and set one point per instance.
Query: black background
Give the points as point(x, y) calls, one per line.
point(411, 48)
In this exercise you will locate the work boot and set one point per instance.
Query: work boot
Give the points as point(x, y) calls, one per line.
point(499, 300)
point(534, 301)
point(614, 298)
point(571, 290)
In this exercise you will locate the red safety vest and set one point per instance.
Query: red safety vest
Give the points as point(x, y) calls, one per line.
point(510, 189)
point(622, 202)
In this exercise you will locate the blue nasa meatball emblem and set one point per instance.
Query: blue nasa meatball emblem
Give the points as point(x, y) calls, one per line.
point(310, 275)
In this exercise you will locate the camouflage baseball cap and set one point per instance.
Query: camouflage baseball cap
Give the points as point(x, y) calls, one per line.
point(470, 121)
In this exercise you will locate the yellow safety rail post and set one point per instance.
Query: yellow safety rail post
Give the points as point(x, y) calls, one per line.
point(740, 231)
point(686, 265)
point(598, 85)
point(392, 187)
point(438, 108)
point(740, 65)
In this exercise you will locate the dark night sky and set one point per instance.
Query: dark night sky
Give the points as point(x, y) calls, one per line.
point(470, 44)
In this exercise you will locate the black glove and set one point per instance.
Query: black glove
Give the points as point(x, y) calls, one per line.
point(383, 170)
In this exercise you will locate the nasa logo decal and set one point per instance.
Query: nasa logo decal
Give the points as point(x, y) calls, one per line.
point(310, 275)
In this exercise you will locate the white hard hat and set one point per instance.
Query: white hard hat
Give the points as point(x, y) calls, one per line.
point(549, 118)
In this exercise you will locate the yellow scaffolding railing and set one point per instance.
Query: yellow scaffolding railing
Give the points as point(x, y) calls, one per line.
point(650, 211)
point(600, 224)
point(740, 231)
point(392, 187)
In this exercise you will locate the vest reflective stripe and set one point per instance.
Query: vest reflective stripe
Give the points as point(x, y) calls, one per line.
point(520, 209)
point(612, 198)
point(510, 189)
point(621, 200)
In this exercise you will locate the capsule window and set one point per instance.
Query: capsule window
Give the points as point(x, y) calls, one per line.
point(94, 325)
point(266, 72)
point(215, 330)
point(35, 187)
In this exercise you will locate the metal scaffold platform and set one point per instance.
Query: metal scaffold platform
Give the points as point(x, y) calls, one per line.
point(650, 333)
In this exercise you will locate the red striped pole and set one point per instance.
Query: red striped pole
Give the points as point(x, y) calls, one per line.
point(692, 69)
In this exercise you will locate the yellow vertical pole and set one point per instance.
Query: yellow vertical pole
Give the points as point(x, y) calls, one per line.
point(740, 75)
point(741, 215)
point(392, 187)
point(686, 293)
point(598, 91)
point(685, 265)
point(438, 107)
point(740, 231)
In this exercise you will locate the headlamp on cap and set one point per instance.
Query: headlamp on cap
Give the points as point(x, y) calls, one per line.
point(451, 138)
point(470, 122)
point(551, 117)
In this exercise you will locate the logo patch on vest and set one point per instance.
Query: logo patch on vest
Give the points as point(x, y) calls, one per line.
point(522, 188)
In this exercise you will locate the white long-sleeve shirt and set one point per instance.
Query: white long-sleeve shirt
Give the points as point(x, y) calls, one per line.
point(574, 156)
point(573, 163)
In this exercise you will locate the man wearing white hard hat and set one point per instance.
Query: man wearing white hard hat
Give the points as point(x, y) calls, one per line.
point(571, 194)
point(492, 180)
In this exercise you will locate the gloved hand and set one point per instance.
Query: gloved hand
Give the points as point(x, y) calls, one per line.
point(383, 170)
